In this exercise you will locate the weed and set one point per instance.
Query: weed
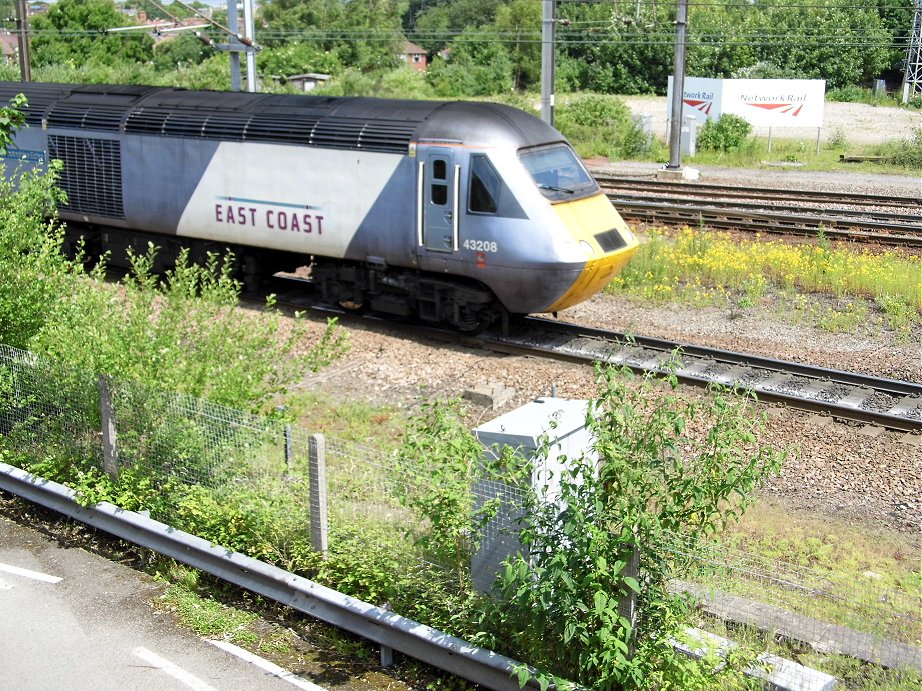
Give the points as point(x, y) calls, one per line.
point(838, 141)
point(844, 318)
point(703, 267)
point(208, 617)
point(900, 315)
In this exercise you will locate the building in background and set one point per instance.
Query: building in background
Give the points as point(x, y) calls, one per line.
point(414, 56)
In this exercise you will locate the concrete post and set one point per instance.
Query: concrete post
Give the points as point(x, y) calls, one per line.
point(318, 492)
point(107, 415)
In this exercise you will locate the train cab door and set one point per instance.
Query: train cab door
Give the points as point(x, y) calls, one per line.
point(438, 213)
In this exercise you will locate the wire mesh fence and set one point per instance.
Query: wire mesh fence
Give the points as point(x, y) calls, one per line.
point(304, 497)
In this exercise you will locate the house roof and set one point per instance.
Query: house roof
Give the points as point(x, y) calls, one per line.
point(411, 48)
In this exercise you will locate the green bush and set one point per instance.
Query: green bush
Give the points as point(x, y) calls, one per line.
point(905, 152)
point(183, 333)
point(727, 133)
point(847, 94)
point(603, 125)
point(593, 111)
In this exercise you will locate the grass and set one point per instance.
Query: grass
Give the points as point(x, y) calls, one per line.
point(704, 268)
point(858, 576)
point(349, 420)
point(802, 154)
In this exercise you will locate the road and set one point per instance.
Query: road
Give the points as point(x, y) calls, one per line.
point(70, 619)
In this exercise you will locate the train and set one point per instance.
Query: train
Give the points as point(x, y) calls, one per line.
point(450, 212)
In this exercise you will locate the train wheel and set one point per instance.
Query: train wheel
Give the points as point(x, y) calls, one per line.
point(474, 319)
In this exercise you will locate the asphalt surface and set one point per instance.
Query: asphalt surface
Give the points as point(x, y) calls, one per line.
point(70, 619)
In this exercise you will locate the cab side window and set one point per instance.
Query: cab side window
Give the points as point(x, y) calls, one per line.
point(484, 187)
point(439, 192)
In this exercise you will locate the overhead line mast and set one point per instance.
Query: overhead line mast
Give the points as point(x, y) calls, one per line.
point(912, 80)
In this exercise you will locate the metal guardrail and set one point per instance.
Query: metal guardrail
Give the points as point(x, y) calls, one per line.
point(376, 624)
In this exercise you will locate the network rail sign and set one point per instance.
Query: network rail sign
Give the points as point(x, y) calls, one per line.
point(762, 102)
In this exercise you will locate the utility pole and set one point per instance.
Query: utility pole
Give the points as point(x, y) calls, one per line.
point(912, 77)
point(237, 42)
point(548, 25)
point(22, 33)
point(249, 33)
point(678, 87)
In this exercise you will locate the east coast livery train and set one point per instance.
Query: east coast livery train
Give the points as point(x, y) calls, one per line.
point(454, 212)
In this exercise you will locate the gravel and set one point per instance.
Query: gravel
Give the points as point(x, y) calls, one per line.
point(867, 475)
point(835, 469)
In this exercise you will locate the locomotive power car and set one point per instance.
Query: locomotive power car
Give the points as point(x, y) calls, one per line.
point(453, 212)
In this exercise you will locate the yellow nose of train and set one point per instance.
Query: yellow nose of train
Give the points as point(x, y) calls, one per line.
point(594, 223)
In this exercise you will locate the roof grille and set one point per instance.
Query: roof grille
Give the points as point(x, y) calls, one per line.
point(92, 174)
point(265, 127)
point(84, 116)
point(329, 132)
point(387, 136)
point(146, 121)
point(226, 126)
point(40, 97)
point(184, 125)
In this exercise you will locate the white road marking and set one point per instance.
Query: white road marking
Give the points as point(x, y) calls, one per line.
point(164, 665)
point(36, 575)
point(5, 586)
point(267, 666)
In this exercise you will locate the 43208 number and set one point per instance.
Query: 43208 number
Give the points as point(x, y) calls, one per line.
point(480, 245)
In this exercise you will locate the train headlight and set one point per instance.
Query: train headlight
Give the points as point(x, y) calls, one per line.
point(587, 248)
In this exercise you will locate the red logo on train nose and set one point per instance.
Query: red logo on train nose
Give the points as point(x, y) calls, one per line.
point(481, 259)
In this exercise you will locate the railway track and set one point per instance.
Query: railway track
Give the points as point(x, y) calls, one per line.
point(889, 403)
point(857, 217)
point(700, 189)
point(845, 395)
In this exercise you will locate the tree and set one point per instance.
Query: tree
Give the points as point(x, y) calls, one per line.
point(896, 17)
point(297, 58)
point(714, 49)
point(629, 54)
point(433, 24)
point(843, 45)
point(366, 35)
point(478, 65)
point(74, 32)
point(518, 23)
point(180, 52)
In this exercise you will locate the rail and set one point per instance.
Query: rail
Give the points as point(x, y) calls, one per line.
point(699, 189)
point(889, 403)
point(846, 216)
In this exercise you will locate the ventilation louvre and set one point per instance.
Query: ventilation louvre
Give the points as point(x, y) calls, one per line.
point(84, 116)
point(267, 127)
point(40, 97)
point(329, 132)
point(92, 174)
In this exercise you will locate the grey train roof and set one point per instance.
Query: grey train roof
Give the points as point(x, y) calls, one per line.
point(356, 123)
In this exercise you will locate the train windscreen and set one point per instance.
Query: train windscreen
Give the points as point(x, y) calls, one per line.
point(558, 172)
